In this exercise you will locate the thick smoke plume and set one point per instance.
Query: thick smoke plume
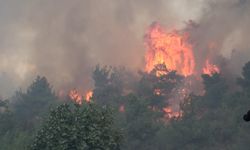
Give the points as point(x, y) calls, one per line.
point(64, 40)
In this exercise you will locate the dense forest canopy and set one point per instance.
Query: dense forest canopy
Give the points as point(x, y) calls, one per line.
point(172, 75)
point(125, 112)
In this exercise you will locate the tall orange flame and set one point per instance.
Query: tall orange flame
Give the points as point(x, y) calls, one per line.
point(75, 96)
point(170, 49)
point(89, 95)
point(173, 50)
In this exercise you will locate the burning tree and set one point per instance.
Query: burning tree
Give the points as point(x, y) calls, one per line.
point(171, 74)
point(159, 90)
point(174, 50)
point(170, 57)
point(170, 49)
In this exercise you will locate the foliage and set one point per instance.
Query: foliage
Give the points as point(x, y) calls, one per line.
point(22, 114)
point(140, 124)
point(166, 83)
point(6, 121)
point(212, 121)
point(108, 85)
point(28, 108)
point(244, 81)
point(74, 127)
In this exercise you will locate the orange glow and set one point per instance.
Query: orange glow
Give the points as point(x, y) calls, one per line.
point(157, 91)
point(169, 113)
point(75, 96)
point(210, 69)
point(78, 97)
point(170, 49)
point(89, 95)
point(160, 73)
point(122, 108)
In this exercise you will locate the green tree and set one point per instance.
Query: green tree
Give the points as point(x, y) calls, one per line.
point(141, 124)
point(215, 87)
point(29, 107)
point(109, 85)
point(161, 79)
point(23, 113)
point(244, 81)
point(75, 127)
point(6, 117)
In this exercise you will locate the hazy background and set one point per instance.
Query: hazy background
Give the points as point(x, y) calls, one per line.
point(64, 39)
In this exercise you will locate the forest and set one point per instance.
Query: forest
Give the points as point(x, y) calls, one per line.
point(127, 113)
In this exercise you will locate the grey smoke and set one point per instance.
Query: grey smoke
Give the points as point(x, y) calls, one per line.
point(65, 39)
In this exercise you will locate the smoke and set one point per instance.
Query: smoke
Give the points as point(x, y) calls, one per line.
point(223, 30)
point(63, 40)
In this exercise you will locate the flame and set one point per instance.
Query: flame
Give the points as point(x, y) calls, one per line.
point(169, 113)
point(75, 96)
point(210, 69)
point(78, 97)
point(88, 96)
point(157, 91)
point(173, 50)
point(170, 49)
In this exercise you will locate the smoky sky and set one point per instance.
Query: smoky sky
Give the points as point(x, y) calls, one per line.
point(64, 39)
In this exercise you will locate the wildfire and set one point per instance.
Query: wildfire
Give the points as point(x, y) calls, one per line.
point(169, 113)
point(166, 52)
point(170, 49)
point(210, 69)
point(157, 91)
point(173, 51)
point(89, 95)
point(77, 96)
